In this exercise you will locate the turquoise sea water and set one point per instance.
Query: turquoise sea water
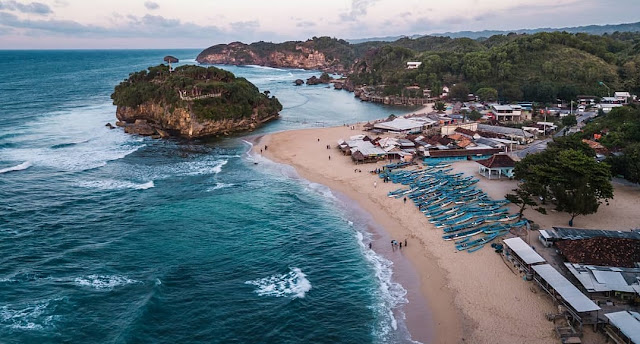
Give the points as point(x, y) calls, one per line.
point(112, 238)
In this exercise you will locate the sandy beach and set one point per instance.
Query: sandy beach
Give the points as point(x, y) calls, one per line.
point(474, 298)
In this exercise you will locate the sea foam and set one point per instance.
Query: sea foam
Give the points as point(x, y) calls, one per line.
point(293, 284)
point(112, 184)
point(103, 282)
point(25, 165)
point(31, 316)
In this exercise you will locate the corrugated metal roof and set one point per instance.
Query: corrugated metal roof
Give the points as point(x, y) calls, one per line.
point(628, 322)
point(503, 130)
point(580, 233)
point(572, 295)
point(524, 251)
point(399, 124)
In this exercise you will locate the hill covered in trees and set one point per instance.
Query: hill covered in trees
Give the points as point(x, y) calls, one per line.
point(539, 67)
point(190, 101)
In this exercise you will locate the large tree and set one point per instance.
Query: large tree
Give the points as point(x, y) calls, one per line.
point(487, 94)
point(574, 181)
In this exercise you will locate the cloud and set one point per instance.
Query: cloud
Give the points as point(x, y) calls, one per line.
point(152, 28)
point(359, 9)
point(150, 5)
point(30, 8)
point(305, 24)
point(245, 26)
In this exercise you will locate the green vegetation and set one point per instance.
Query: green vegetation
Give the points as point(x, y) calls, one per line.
point(238, 97)
point(620, 134)
point(567, 175)
point(540, 67)
point(522, 198)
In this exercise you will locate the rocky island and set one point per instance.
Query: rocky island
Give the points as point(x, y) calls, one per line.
point(190, 102)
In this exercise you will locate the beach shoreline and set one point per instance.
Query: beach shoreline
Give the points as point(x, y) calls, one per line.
point(427, 287)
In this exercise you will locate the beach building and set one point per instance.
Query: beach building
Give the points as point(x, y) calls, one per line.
point(507, 113)
point(623, 97)
point(521, 255)
point(623, 327)
point(587, 100)
point(514, 134)
point(608, 282)
point(361, 149)
point(404, 126)
point(413, 65)
point(497, 166)
point(549, 237)
point(581, 309)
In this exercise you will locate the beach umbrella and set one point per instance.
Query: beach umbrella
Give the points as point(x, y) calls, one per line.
point(170, 59)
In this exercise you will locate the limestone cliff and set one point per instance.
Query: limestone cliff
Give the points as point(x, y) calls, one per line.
point(155, 119)
point(322, 53)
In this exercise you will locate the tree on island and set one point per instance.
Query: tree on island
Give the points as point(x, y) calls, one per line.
point(440, 106)
point(575, 181)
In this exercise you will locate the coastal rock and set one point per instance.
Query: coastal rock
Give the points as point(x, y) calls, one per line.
point(151, 119)
point(157, 107)
point(313, 81)
point(317, 54)
point(299, 82)
point(140, 127)
point(109, 125)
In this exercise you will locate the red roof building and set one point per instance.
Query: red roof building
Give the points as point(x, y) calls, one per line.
point(497, 166)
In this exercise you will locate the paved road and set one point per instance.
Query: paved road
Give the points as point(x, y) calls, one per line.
point(539, 146)
point(535, 147)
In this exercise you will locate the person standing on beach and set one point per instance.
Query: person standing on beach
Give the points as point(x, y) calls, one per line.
point(329, 157)
point(405, 242)
point(375, 185)
point(401, 245)
point(405, 200)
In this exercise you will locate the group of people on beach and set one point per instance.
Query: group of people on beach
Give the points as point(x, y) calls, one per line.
point(398, 244)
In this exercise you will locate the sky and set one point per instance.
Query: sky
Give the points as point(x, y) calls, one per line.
point(121, 24)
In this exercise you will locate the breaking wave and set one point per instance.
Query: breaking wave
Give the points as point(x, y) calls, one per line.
point(25, 165)
point(111, 184)
point(103, 282)
point(293, 284)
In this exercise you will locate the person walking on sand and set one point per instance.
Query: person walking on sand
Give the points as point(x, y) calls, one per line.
point(405, 242)
point(329, 157)
point(401, 245)
point(375, 185)
point(405, 200)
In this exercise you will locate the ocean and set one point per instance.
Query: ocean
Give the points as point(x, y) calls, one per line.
point(111, 238)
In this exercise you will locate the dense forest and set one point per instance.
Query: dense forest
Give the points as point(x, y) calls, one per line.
point(237, 97)
point(540, 67)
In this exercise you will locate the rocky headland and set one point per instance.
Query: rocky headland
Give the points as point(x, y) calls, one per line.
point(323, 53)
point(190, 102)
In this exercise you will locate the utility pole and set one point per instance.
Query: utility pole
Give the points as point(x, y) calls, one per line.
point(608, 89)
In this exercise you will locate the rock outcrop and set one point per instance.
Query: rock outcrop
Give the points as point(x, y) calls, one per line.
point(322, 53)
point(154, 119)
point(190, 102)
